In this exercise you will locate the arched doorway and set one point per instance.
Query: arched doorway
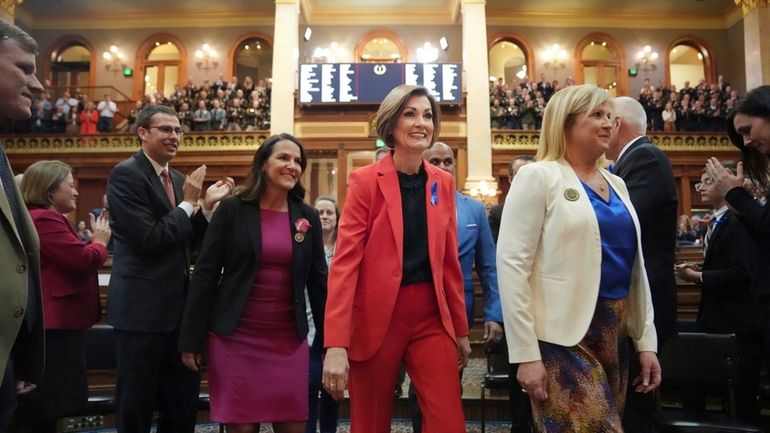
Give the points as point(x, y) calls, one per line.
point(601, 62)
point(252, 57)
point(688, 58)
point(70, 65)
point(381, 46)
point(510, 57)
point(162, 64)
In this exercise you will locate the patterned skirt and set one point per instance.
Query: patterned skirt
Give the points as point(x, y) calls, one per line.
point(587, 383)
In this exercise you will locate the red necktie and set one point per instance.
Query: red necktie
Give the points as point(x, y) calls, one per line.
point(168, 187)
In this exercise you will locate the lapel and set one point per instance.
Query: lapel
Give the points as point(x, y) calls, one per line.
point(6, 210)
point(637, 143)
point(715, 236)
point(252, 220)
point(462, 217)
point(436, 224)
point(387, 181)
point(149, 172)
point(299, 250)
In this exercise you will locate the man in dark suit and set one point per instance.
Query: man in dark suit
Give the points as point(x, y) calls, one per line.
point(727, 305)
point(21, 312)
point(154, 224)
point(521, 412)
point(650, 181)
point(497, 210)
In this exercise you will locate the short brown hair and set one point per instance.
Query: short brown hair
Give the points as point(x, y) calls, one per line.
point(41, 179)
point(11, 32)
point(393, 105)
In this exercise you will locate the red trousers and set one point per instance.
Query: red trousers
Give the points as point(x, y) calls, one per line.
point(416, 338)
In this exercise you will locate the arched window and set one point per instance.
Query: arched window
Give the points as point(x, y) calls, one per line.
point(161, 64)
point(381, 46)
point(510, 58)
point(602, 62)
point(252, 57)
point(70, 64)
point(688, 58)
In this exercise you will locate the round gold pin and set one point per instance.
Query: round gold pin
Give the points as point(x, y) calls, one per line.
point(571, 194)
point(299, 237)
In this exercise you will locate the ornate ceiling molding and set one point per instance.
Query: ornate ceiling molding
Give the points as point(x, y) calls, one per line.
point(750, 5)
point(10, 6)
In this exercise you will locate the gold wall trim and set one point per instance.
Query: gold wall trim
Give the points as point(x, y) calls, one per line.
point(127, 143)
point(454, 129)
point(611, 20)
point(152, 21)
point(380, 17)
point(332, 129)
point(678, 142)
point(750, 5)
point(10, 6)
point(249, 141)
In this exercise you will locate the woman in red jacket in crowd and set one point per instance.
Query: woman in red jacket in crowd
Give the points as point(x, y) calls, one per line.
point(70, 289)
point(89, 117)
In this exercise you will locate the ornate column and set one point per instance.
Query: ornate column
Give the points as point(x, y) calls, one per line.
point(285, 55)
point(8, 10)
point(756, 35)
point(476, 66)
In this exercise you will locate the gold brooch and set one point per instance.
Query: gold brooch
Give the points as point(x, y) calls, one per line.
point(571, 194)
point(299, 237)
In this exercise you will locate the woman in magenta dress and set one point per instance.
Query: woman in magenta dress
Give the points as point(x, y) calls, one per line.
point(246, 305)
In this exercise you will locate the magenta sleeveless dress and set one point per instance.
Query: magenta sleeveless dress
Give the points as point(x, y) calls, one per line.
point(259, 372)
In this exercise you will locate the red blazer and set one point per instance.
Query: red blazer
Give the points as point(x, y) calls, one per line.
point(367, 267)
point(88, 122)
point(68, 276)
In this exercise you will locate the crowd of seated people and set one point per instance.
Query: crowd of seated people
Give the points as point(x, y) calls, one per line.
point(217, 106)
point(700, 108)
point(211, 106)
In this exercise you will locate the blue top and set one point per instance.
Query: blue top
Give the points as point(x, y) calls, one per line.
point(618, 237)
point(475, 244)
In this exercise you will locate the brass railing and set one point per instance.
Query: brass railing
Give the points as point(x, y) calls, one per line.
point(126, 143)
point(237, 141)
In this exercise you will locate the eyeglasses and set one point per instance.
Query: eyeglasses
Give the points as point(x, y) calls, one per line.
point(167, 129)
point(701, 185)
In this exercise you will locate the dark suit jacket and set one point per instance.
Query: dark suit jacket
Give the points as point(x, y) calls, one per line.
point(756, 219)
point(726, 303)
point(19, 255)
point(151, 262)
point(68, 272)
point(650, 181)
point(228, 263)
point(495, 214)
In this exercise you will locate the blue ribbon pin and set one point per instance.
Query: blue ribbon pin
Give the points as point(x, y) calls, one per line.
point(434, 194)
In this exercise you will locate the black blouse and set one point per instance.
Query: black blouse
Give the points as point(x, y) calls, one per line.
point(416, 266)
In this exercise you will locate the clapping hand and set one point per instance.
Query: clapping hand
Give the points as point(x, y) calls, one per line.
point(218, 191)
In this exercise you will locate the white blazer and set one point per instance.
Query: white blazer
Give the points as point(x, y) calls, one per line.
point(549, 258)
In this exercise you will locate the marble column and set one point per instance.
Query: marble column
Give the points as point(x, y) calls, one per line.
point(476, 67)
point(285, 64)
point(756, 35)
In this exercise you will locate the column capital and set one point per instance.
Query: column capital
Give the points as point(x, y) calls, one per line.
point(750, 5)
point(287, 2)
point(465, 2)
point(9, 6)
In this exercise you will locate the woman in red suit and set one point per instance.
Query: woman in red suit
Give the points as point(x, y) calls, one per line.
point(395, 287)
point(70, 293)
point(89, 117)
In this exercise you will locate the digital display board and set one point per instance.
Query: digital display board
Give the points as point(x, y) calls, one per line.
point(369, 83)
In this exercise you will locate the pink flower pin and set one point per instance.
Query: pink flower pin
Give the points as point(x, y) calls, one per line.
point(302, 226)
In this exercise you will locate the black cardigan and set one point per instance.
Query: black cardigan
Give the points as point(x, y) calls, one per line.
point(227, 266)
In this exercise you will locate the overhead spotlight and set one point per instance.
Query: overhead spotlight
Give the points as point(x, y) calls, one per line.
point(308, 33)
point(443, 43)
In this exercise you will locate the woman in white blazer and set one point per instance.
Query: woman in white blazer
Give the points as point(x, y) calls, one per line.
point(571, 273)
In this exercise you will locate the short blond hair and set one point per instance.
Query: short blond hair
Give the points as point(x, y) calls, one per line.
point(40, 181)
point(560, 114)
point(393, 105)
